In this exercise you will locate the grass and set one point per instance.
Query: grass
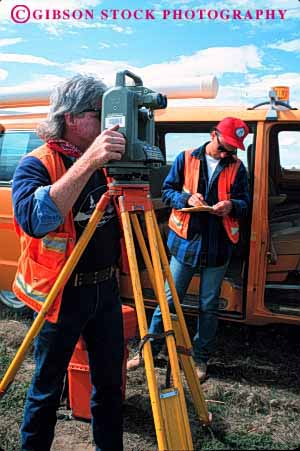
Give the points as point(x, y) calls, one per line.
point(256, 380)
point(12, 403)
point(11, 407)
point(252, 392)
point(241, 441)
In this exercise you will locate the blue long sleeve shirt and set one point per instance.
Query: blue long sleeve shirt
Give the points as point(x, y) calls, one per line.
point(207, 243)
point(36, 212)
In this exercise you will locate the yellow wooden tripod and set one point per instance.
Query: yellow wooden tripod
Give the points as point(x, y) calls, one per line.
point(168, 406)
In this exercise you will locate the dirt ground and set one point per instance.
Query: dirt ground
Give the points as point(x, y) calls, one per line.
point(252, 392)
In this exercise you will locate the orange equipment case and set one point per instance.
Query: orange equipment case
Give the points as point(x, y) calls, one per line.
point(80, 386)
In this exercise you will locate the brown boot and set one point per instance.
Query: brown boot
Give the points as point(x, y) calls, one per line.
point(134, 363)
point(201, 371)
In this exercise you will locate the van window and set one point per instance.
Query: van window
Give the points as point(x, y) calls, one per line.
point(289, 149)
point(177, 142)
point(13, 145)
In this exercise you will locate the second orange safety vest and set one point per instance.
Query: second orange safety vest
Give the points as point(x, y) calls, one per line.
point(179, 221)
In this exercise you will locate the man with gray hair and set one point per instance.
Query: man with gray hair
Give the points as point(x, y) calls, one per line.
point(55, 190)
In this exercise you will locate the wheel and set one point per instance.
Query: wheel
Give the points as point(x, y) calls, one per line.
point(9, 299)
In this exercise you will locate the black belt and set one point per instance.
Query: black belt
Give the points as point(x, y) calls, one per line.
point(92, 278)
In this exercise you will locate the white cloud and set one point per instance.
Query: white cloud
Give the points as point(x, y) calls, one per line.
point(216, 60)
point(40, 83)
point(28, 59)
point(124, 30)
point(102, 68)
point(287, 46)
point(9, 41)
point(104, 45)
point(3, 74)
point(183, 70)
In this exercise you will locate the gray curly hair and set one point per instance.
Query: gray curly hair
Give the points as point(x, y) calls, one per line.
point(74, 95)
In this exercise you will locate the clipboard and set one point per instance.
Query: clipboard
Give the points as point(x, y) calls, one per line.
point(197, 209)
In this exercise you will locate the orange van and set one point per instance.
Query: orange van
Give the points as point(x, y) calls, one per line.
point(262, 284)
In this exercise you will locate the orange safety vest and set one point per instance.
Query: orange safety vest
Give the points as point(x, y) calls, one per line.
point(179, 221)
point(42, 259)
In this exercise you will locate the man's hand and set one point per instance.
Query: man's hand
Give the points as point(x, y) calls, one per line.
point(109, 145)
point(196, 200)
point(222, 208)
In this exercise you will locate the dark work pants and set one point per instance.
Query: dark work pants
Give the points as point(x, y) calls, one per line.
point(95, 312)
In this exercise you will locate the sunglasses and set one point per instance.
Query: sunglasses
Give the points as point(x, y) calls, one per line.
point(222, 148)
point(92, 110)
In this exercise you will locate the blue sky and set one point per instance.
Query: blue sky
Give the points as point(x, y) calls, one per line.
point(247, 56)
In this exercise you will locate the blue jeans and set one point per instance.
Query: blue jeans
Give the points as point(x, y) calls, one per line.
point(95, 312)
point(211, 279)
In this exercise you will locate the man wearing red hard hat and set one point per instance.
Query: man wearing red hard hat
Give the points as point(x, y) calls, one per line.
point(213, 179)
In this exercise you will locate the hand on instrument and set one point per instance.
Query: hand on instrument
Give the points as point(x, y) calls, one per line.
point(109, 145)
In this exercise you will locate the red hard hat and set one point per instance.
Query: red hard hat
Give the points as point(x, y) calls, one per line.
point(234, 131)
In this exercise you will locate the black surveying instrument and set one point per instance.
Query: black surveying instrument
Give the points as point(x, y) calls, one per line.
point(131, 107)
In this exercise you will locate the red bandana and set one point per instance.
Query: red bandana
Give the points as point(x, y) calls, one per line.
point(62, 146)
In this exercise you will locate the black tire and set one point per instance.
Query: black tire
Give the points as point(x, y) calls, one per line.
point(10, 300)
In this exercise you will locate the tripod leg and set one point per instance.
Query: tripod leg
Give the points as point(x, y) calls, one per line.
point(183, 339)
point(177, 305)
point(144, 250)
point(170, 340)
point(188, 366)
point(61, 280)
point(143, 327)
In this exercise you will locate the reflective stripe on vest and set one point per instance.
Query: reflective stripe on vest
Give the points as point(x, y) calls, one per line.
point(35, 295)
point(179, 221)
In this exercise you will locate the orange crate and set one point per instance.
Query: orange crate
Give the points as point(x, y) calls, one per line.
point(80, 386)
point(129, 322)
point(79, 372)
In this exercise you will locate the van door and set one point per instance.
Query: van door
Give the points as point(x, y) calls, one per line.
point(282, 291)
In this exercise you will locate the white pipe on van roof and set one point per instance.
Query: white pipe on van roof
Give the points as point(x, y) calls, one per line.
point(206, 88)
